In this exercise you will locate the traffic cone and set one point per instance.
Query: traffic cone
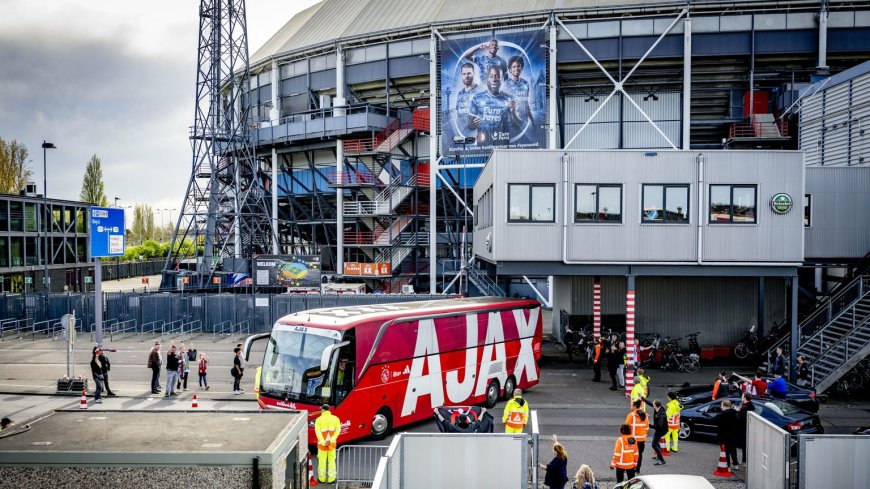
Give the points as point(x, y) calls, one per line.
point(664, 446)
point(195, 405)
point(83, 405)
point(722, 470)
point(312, 481)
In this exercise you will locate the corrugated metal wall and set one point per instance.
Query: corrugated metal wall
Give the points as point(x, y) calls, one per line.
point(840, 212)
point(720, 307)
point(604, 131)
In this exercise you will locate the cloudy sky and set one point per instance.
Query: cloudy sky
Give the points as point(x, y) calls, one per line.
point(113, 78)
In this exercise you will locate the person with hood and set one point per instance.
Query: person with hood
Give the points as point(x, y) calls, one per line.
point(97, 373)
point(516, 413)
point(557, 470)
point(624, 454)
point(639, 422)
point(660, 428)
point(673, 413)
point(727, 427)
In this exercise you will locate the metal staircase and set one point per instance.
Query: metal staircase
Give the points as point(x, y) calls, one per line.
point(835, 337)
point(482, 280)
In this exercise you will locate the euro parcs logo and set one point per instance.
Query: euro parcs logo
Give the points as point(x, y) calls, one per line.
point(781, 203)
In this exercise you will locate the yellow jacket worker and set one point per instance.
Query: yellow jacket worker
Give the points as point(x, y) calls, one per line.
point(327, 427)
point(516, 414)
point(672, 437)
point(640, 388)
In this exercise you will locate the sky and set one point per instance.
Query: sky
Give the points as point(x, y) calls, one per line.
point(114, 78)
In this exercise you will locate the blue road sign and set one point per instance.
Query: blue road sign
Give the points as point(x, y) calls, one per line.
point(107, 232)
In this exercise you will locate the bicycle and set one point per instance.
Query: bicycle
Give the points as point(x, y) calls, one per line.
point(748, 345)
point(681, 362)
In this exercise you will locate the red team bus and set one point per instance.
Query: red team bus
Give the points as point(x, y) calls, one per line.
point(384, 366)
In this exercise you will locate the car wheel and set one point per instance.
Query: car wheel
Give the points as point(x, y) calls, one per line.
point(509, 386)
point(382, 424)
point(685, 430)
point(491, 395)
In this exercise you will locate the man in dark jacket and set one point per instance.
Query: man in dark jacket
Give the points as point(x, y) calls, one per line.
point(745, 406)
point(97, 373)
point(104, 361)
point(171, 372)
point(613, 358)
point(154, 363)
point(660, 427)
point(727, 426)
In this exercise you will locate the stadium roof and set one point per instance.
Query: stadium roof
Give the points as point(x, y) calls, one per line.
point(331, 20)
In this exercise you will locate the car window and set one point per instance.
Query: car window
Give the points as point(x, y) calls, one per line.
point(712, 409)
point(773, 407)
point(785, 407)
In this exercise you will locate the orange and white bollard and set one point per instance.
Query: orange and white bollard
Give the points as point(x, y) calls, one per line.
point(664, 446)
point(83, 405)
point(195, 404)
point(722, 470)
point(312, 481)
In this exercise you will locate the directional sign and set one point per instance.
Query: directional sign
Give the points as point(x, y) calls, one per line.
point(107, 232)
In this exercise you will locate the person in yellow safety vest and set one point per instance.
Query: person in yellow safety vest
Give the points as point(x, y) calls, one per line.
point(327, 427)
point(516, 414)
point(640, 389)
point(672, 437)
point(639, 423)
point(257, 382)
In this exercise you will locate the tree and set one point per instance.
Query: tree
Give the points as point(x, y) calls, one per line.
point(93, 189)
point(143, 223)
point(14, 171)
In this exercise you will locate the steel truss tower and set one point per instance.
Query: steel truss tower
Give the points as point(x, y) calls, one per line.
point(225, 209)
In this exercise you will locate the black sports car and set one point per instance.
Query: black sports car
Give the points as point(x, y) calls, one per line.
point(799, 396)
point(698, 419)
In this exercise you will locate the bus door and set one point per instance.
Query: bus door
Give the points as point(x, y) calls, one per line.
point(342, 371)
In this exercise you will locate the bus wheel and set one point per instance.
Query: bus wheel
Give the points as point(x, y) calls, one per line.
point(382, 424)
point(491, 394)
point(509, 386)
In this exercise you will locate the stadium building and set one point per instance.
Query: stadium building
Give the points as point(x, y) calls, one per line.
point(556, 148)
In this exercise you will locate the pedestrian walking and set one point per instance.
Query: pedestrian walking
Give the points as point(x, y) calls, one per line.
point(596, 360)
point(203, 371)
point(803, 372)
point(728, 426)
point(585, 478)
point(672, 437)
point(660, 428)
point(624, 454)
point(516, 413)
point(106, 365)
point(97, 373)
point(613, 359)
point(171, 372)
point(154, 363)
point(720, 386)
point(327, 427)
point(639, 423)
point(557, 470)
point(620, 369)
point(237, 371)
point(745, 407)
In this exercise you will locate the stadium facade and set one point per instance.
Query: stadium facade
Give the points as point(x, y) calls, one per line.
point(374, 121)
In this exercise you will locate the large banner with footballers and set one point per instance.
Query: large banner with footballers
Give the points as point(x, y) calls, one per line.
point(494, 91)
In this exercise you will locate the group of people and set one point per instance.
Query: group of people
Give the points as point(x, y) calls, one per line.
point(614, 354)
point(179, 361)
point(628, 450)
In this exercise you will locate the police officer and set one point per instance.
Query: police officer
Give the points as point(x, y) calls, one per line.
point(516, 414)
point(327, 427)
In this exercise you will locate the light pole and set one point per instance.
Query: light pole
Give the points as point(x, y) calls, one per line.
point(116, 201)
point(45, 282)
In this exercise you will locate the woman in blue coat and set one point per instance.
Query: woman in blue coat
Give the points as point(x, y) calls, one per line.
point(557, 469)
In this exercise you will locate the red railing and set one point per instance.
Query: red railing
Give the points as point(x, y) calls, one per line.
point(351, 176)
point(776, 129)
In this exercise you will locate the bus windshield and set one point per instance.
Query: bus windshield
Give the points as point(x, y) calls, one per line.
point(291, 370)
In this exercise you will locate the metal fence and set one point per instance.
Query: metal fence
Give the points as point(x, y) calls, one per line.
point(357, 464)
point(833, 461)
point(231, 314)
point(769, 454)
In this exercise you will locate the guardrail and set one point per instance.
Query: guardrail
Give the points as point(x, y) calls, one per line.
point(242, 328)
point(358, 463)
point(222, 328)
point(191, 327)
point(171, 328)
point(44, 327)
point(12, 324)
point(152, 327)
point(123, 327)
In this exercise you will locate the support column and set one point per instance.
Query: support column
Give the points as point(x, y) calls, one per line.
point(823, 36)
point(274, 188)
point(687, 82)
point(819, 285)
point(629, 334)
point(275, 113)
point(596, 307)
point(553, 114)
point(433, 159)
point(795, 330)
point(339, 164)
point(761, 308)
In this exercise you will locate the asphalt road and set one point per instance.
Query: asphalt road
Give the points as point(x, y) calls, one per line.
point(584, 415)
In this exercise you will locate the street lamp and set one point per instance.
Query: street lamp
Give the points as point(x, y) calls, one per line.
point(45, 282)
point(116, 201)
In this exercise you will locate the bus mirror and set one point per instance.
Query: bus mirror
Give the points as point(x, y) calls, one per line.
point(327, 354)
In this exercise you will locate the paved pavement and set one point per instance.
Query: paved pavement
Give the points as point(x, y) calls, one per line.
point(584, 415)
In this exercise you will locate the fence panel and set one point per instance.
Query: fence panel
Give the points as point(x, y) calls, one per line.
point(769, 454)
point(834, 461)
